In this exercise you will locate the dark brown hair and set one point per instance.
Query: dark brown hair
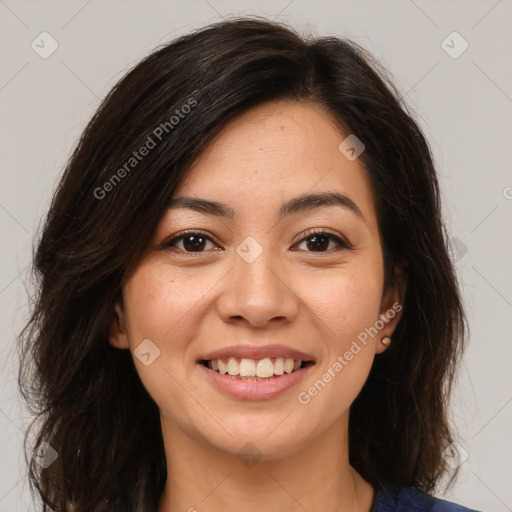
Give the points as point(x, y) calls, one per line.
point(91, 406)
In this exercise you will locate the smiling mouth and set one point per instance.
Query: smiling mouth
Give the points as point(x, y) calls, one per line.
point(256, 370)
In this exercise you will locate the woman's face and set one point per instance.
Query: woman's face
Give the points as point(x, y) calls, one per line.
point(261, 279)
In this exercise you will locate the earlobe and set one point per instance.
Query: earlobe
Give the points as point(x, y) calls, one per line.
point(382, 344)
point(117, 336)
point(386, 340)
point(391, 310)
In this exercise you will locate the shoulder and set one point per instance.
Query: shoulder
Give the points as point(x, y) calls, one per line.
point(395, 498)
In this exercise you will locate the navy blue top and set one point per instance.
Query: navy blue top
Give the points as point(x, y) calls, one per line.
point(406, 499)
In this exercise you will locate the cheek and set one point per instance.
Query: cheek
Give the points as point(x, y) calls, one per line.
point(156, 306)
point(345, 301)
point(346, 312)
point(157, 300)
point(166, 307)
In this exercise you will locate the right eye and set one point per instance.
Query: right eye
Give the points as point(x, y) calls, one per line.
point(192, 241)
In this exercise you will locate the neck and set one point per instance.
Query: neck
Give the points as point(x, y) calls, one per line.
point(313, 476)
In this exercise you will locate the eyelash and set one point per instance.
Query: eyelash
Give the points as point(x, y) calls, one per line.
point(309, 234)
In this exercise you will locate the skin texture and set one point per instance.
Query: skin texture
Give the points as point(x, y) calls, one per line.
point(190, 303)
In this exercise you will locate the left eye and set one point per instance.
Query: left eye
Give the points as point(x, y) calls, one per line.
point(320, 240)
point(316, 241)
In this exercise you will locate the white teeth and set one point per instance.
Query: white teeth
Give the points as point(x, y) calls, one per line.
point(223, 368)
point(288, 365)
point(279, 366)
point(248, 369)
point(233, 366)
point(265, 368)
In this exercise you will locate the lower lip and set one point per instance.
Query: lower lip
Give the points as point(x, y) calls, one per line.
point(254, 389)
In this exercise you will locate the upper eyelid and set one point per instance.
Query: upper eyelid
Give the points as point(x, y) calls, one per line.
point(182, 234)
point(345, 243)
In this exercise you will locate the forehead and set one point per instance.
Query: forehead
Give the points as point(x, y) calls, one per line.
point(275, 152)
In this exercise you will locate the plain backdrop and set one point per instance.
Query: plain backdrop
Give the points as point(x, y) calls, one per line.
point(461, 96)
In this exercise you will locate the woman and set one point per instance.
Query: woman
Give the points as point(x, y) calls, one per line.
point(245, 296)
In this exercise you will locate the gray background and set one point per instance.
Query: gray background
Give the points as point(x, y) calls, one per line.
point(464, 105)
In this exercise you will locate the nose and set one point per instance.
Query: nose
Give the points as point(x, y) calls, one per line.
point(258, 291)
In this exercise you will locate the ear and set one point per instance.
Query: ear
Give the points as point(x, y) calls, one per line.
point(118, 333)
point(391, 306)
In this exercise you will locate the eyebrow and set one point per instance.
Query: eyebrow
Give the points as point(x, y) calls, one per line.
point(296, 205)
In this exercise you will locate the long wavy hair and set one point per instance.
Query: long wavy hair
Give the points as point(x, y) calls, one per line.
point(89, 404)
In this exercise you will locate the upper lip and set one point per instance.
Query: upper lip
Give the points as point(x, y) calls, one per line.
point(256, 353)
